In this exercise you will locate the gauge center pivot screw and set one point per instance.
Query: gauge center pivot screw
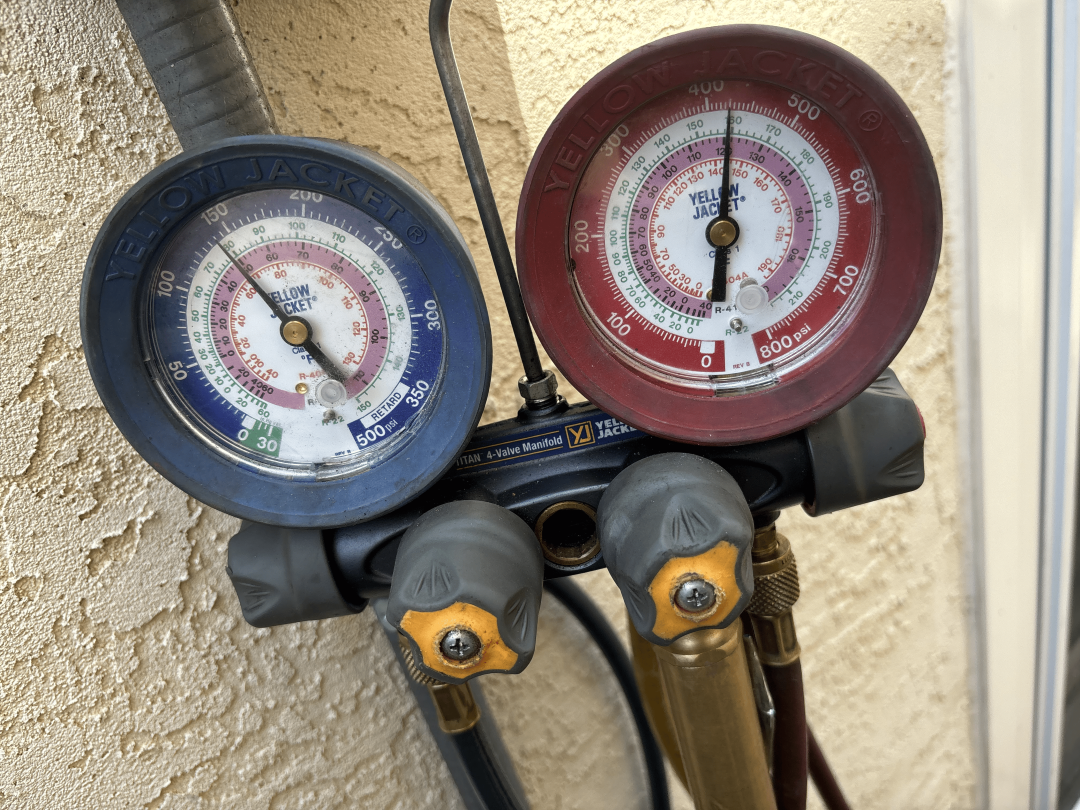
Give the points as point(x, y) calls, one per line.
point(295, 332)
point(460, 644)
point(695, 596)
point(722, 232)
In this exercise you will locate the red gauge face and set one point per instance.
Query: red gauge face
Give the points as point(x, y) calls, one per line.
point(728, 234)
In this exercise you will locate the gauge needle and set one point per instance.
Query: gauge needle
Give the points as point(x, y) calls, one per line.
point(722, 231)
point(295, 331)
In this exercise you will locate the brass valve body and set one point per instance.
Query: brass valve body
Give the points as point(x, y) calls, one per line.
point(707, 689)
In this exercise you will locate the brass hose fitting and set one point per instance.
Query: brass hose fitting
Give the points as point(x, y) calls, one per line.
point(776, 590)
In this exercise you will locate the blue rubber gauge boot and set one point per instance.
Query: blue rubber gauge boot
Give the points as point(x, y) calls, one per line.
point(290, 330)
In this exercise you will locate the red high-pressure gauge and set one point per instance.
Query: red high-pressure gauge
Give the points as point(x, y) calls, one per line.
point(729, 233)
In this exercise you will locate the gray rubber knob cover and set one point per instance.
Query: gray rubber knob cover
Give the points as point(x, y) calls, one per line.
point(666, 506)
point(476, 553)
point(282, 576)
point(868, 450)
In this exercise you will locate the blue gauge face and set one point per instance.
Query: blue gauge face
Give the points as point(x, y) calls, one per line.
point(295, 333)
point(290, 330)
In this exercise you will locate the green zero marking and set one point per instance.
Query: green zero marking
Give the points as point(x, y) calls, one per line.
point(262, 438)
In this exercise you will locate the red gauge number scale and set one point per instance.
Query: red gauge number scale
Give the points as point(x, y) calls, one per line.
point(728, 234)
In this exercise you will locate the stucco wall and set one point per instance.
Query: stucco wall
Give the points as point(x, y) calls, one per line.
point(128, 678)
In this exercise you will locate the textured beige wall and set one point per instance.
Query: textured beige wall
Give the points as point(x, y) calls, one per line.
point(127, 677)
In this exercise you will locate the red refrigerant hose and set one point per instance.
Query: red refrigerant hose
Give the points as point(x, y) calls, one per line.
point(789, 748)
point(822, 775)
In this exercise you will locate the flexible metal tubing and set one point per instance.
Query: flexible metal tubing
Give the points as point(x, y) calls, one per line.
point(439, 29)
point(201, 68)
point(590, 617)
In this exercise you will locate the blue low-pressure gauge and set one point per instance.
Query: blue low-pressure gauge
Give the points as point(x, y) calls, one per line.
point(290, 330)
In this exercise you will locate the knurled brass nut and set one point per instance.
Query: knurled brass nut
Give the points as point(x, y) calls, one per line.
point(539, 389)
point(777, 592)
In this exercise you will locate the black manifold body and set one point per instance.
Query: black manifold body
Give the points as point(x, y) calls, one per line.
point(869, 449)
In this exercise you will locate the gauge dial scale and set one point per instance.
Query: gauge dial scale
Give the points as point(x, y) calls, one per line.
point(834, 207)
point(290, 330)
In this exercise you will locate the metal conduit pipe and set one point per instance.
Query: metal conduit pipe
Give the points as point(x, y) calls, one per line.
point(201, 68)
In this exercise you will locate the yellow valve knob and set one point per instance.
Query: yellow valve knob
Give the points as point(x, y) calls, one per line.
point(676, 534)
point(466, 591)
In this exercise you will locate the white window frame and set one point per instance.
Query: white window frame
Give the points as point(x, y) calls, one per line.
point(1013, 169)
point(1061, 395)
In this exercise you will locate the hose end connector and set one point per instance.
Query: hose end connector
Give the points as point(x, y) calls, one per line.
point(675, 531)
point(539, 394)
point(776, 590)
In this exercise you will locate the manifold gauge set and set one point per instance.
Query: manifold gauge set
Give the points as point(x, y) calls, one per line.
point(723, 237)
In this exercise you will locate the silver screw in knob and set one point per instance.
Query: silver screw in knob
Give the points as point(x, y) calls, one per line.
point(695, 596)
point(460, 644)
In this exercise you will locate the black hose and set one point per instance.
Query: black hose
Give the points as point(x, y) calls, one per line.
point(583, 609)
point(490, 779)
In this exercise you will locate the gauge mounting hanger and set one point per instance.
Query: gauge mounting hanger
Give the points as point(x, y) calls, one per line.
point(728, 233)
point(290, 330)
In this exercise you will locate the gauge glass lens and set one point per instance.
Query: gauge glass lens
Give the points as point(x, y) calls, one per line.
point(295, 333)
point(804, 210)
